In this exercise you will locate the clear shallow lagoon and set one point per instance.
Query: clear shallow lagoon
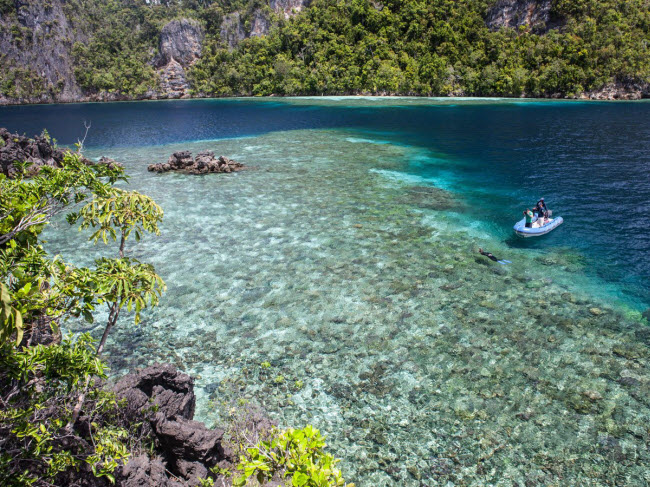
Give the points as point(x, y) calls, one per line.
point(347, 259)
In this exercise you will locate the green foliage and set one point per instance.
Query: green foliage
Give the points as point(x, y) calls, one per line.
point(295, 455)
point(7, 7)
point(418, 47)
point(34, 284)
point(432, 47)
point(123, 211)
point(129, 283)
point(11, 319)
point(206, 482)
point(37, 384)
point(26, 205)
point(123, 37)
point(19, 81)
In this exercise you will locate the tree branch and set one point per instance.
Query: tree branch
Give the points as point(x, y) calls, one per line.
point(80, 143)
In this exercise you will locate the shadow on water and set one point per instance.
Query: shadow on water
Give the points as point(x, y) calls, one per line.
point(521, 243)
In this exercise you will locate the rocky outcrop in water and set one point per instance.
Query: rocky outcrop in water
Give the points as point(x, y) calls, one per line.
point(39, 151)
point(204, 163)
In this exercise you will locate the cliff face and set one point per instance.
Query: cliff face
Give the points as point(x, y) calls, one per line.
point(288, 7)
point(235, 28)
point(78, 50)
point(516, 13)
point(180, 40)
point(36, 41)
point(180, 45)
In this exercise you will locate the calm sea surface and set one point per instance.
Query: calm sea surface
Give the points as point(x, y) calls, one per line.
point(346, 257)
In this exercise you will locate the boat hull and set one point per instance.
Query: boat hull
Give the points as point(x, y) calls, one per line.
point(521, 229)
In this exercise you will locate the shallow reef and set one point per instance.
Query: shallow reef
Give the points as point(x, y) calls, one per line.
point(332, 295)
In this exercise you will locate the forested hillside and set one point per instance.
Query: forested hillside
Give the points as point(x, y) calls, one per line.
point(121, 49)
point(437, 47)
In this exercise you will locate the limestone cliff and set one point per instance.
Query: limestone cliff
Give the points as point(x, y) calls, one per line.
point(288, 7)
point(36, 41)
point(89, 50)
point(516, 13)
point(236, 28)
point(180, 45)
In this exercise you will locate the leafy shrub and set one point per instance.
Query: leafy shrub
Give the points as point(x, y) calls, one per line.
point(295, 455)
point(44, 389)
point(37, 385)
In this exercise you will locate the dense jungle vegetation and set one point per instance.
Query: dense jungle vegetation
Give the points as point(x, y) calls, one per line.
point(437, 47)
point(422, 47)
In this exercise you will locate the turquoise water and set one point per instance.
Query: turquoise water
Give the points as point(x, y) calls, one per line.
point(346, 258)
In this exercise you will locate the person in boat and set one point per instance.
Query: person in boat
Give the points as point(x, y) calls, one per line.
point(541, 221)
point(542, 209)
point(529, 218)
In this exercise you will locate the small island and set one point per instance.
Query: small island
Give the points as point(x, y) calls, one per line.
point(204, 163)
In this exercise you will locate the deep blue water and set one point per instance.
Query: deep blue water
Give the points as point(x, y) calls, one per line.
point(591, 161)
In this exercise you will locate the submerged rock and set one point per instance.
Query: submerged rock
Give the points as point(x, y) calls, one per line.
point(204, 163)
point(432, 198)
point(646, 314)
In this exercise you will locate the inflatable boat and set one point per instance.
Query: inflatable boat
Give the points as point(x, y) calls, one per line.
point(537, 230)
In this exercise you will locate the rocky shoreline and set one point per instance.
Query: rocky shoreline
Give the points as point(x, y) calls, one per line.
point(610, 92)
point(159, 403)
point(204, 163)
point(163, 400)
point(37, 152)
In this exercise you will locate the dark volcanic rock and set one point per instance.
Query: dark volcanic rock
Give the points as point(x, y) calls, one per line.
point(186, 440)
point(192, 471)
point(37, 152)
point(163, 398)
point(142, 471)
point(41, 332)
point(170, 390)
point(204, 163)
